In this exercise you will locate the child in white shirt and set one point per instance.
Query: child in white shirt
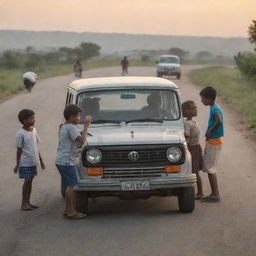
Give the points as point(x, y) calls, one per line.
point(192, 134)
point(28, 155)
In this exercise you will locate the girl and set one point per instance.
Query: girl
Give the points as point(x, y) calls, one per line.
point(192, 134)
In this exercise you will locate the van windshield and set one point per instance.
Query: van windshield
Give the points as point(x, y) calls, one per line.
point(174, 60)
point(129, 105)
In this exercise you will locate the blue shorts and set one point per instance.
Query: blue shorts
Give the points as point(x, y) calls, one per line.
point(26, 172)
point(68, 175)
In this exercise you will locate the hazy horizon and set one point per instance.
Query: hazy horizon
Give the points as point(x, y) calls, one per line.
point(125, 33)
point(208, 18)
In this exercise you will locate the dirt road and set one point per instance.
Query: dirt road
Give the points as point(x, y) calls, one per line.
point(114, 227)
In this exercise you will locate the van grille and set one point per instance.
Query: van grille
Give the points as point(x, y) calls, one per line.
point(116, 157)
point(133, 172)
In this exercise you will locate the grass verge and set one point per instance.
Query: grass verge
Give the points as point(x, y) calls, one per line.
point(11, 79)
point(232, 87)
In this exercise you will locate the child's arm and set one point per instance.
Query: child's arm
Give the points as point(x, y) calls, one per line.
point(41, 161)
point(18, 154)
point(87, 122)
point(217, 123)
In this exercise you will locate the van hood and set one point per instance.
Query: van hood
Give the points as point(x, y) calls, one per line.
point(130, 135)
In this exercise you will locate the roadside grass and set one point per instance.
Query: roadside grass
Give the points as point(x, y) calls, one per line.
point(11, 79)
point(231, 86)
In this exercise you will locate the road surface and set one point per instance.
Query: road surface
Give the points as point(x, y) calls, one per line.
point(115, 227)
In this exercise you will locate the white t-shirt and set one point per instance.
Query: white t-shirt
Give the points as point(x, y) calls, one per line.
point(31, 76)
point(27, 141)
point(192, 132)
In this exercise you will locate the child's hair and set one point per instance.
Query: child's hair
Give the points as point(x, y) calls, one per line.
point(71, 110)
point(209, 92)
point(25, 114)
point(186, 105)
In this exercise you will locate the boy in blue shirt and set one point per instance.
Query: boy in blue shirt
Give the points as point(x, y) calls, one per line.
point(213, 144)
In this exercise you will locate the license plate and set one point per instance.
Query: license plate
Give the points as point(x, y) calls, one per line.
point(135, 185)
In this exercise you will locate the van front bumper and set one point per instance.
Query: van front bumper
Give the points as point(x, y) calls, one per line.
point(114, 185)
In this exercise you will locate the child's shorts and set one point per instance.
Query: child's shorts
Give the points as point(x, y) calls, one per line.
point(28, 83)
point(211, 157)
point(26, 172)
point(68, 175)
point(197, 157)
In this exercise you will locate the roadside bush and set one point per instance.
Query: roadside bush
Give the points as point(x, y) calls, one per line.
point(10, 59)
point(33, 60)
point(145, 58)
point(246, 63)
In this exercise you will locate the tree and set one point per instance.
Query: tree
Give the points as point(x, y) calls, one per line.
point(179, 52)
point(252, 32)
point(204, 55)
point(87, 50)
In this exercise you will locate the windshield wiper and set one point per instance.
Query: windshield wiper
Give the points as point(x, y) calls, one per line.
point(101, 121)
point(145, 120)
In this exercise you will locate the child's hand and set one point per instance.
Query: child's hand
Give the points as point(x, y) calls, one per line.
point(87, 121)
point(15, 170)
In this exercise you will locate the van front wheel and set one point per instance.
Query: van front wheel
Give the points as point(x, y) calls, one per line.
point(186, 199)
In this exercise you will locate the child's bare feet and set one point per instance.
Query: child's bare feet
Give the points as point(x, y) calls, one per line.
point(26, 207)
point(33, 206)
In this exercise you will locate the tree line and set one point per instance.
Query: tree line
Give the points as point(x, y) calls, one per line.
point(30, 58)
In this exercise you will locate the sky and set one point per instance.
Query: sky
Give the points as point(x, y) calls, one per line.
point(224, 18)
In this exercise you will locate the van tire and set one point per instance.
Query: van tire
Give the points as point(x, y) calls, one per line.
point(186, 199)
point(178, 76)
point(159, 74)
point(81, 201)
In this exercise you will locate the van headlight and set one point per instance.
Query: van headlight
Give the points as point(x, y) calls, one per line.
point(93, 156)
point(174, 154)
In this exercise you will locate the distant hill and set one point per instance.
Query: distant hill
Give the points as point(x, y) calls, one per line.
point(121, 43)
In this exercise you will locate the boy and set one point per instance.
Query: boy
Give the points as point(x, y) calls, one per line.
point(192, 134)
point(214, 138)
point(28, 155)
point(124, 63)
point(69, 139)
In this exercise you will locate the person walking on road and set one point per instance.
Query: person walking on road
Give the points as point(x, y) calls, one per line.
point(192, 134)
point(124, 63)
point(78, 69)
point(213, 144)
point(28, 156)
point(69, 138)
point(29, 80)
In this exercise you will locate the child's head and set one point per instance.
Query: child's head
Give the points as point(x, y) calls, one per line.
point(189, 109)
point(72, 113)
point(208, 95)
point(27, 117)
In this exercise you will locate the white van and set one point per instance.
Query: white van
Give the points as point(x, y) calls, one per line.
point(136, 146)
point(169, 65)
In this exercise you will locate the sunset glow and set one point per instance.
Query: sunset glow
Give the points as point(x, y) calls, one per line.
point(227, 18)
